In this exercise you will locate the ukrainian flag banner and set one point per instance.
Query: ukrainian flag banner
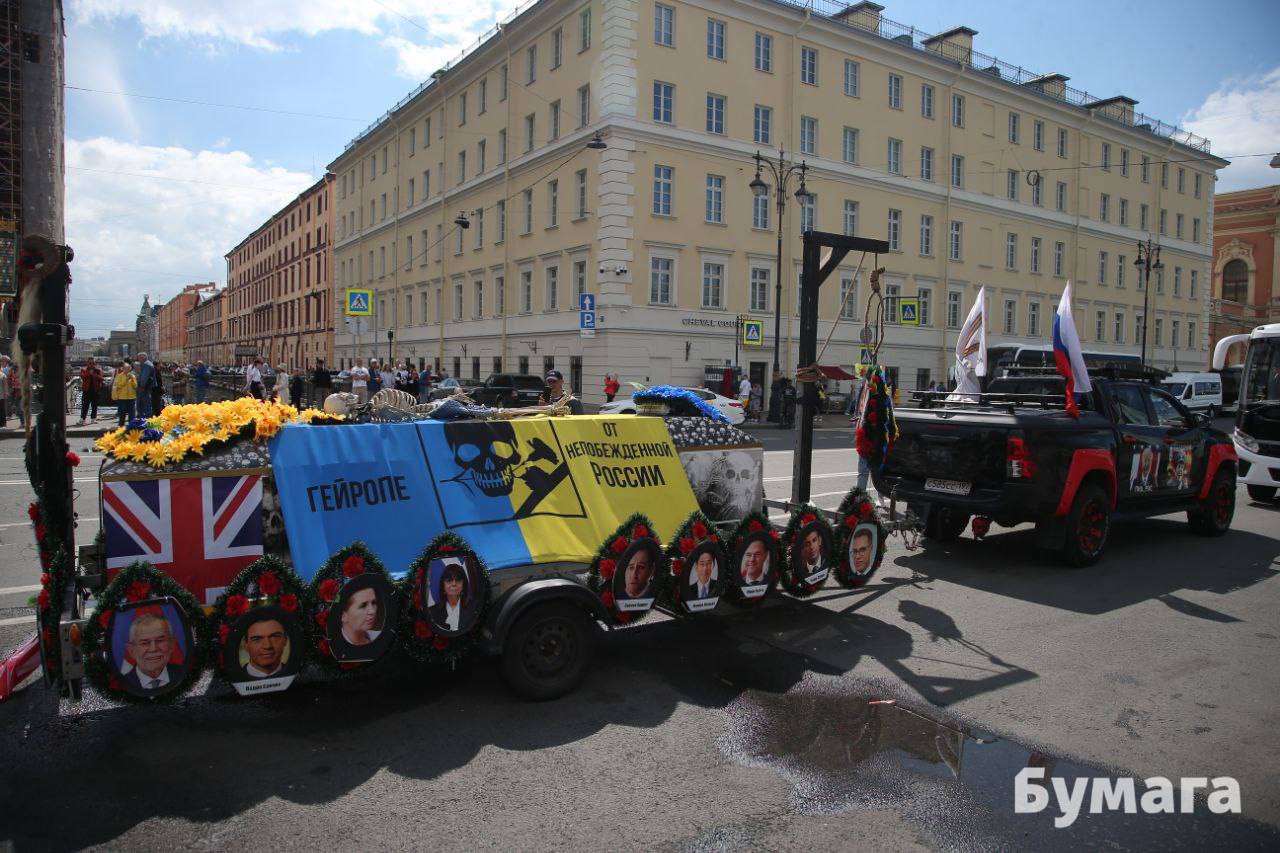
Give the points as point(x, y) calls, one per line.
point(532, 490)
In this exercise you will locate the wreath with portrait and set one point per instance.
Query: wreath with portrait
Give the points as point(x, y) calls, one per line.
point(858, 520)
point(425, 630)
point(608, 575)
point(747, 587)
point(331, 595)
point(694, 552)
point(807, 530)
point(266, 582)
point(143, 588)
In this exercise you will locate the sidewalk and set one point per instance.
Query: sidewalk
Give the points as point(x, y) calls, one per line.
point(87, 430)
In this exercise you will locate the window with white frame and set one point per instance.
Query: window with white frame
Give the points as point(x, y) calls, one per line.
point(481, 150)
point(715, 38)
point(1195, 230)
point(1124, 162)
point(926, 100)
point(1144, 217)
point(1015, 128)
point(579, 280)
point(764, 52)
point(553, 204)
point(554, 132)
point(1035, 254)
point(759, 295)
point(809, 65)
point(1196, 183)
point(895, 92)
point(760, 210)
point(664, 25)
point(1011, 184)
point(1106, 156)
point(1191, 335)
point(1102, 267)
point(926, 234)
point(1146, 169)
point(1062, 142)
point(926, 163)
point(584, 29)
point(552, 274)
point(1124, 211)
point(808, 135)
point(457, 300)
point(892, 297)
point(924, 310)
point(1011, 316)
point(851, 74)
point(500, 209)
point(1121, 265)
point(530, 131)
point(661, 272)
point(502, 146)
point(955, 301)
point(477, 306)
point(1159, 331)
point(1036, 195)
point(1104, 207)
point(712, 284)
point(531, 64)
point(528, 211)
point(1033, 319)
point(1011, 251)
point(1177, 282)
point(1182, 180)
point(849, 145)
point(1164, 176)
point(1060, 197)
point(584, 106)
point(808, 212)
point(1100, 326)
point(1059, 258)
point(477, 225)
point(895, 230)
point(1139, 336)
point(895, 156)
point(850, 219)
point(957, 171)
point(580, 193)
point(957, 110)
point(662, 187)
point(715, 114)
point(1177, 225)
point(664, 96)
point(955, 250)
point(1192, 285)
point(1037, 135)
point(715, 199)
point(760, 124)
point(526, 291)
point(1164, 221)
point(1117, 330)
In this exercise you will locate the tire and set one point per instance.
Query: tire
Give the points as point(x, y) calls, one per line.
point(1263, 494)
point(548, 651)
point(1213, 412)
point(945, 525)
point(1213, 515)
point(1088, 525)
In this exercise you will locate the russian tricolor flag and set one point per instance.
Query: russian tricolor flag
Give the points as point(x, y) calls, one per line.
point(1067, 354)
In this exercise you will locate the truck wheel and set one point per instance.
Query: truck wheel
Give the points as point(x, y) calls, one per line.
point(548, 650)
point(1087, 527)
point(1262, 493)
point(945, 525)
point(1213, 515)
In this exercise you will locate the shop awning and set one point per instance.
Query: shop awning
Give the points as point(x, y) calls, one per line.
point(835, 373)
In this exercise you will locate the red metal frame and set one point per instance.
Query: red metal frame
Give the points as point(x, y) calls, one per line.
point(1218, 453)
point(1084, 462)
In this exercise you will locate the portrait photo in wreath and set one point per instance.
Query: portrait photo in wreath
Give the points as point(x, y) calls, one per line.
point(362, 620)
point(150, 646)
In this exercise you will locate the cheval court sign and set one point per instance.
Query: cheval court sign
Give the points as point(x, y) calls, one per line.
point(521, 492)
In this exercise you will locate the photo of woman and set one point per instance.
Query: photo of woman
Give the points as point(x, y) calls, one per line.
point(362, 619)
point(454, 594)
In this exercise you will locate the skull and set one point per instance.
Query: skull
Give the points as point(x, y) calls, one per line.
point(737, 479)
point(486, 451)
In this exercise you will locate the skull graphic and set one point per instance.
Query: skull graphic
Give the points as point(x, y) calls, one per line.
point(485, 453)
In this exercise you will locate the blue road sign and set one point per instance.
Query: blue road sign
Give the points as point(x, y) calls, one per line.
point(586, 302)
point(586, 319)
point(752, 333)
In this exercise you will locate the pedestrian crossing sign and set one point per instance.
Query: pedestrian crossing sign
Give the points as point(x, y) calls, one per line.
point(866, 357)
point(360, 303)
point(752, 333)
point(909, 311)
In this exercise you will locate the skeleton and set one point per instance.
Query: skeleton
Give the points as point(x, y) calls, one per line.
point(488, 455)
point(726, 483)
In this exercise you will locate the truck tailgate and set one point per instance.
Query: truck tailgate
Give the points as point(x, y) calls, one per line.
point(950, 446)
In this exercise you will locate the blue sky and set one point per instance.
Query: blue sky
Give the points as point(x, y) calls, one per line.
point(213, 174)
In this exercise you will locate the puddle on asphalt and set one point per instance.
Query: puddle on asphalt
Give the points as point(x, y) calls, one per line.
point(954, 783)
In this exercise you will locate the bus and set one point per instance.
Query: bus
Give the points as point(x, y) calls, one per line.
point(1257, 431)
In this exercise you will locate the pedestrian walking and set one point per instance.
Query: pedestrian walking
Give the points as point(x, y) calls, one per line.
point(375, 377)
point(360, 381)
point(90, 388)
point(281, 388)
point(297, 387)
point(611, 386)
point(253, 380)
point(424, 385)
point(179, 385)
point(146, 377)
point(757, 401)
point(8, 375)
point(321, 383)
point(744, 393)
point(124, 391)
point(201, 378)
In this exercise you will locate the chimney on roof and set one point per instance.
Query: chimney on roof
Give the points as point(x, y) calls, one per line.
point(955, 43)
point(1054, 85)
point(1118, 108)
point(864, 16)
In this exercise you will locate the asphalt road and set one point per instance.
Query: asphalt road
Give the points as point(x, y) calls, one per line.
point(747, 731)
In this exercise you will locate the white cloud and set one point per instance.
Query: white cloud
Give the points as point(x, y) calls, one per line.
point(166, 223)
point(440, 29)
point(1242, 117)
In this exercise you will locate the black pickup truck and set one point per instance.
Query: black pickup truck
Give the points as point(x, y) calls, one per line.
point(509, 390)
point(1014, 454)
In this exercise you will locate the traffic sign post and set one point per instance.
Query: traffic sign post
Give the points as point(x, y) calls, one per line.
point(359, 303)
point(909, 312)
point(587, 315)
point(752, 333)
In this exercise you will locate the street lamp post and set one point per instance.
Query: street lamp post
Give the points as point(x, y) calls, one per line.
point(1148, 260)
point(782, 171)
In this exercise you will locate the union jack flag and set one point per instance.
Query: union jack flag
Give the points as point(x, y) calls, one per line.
point(201, 531)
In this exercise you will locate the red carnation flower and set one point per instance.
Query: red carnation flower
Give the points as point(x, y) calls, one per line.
point(114, 684)
point(46, 637)
point(865, 509)
point(322, 618)
point(72, 458)
point(640, 530)
point(871, 404)
point(677, 567)
point(686, 544)
point(45, 560)
point(808, 518)
point(104, 619)
point(329, 589)
point(137, 591)
point(980, 526)
point(40, 532)
point(440, 643)
point(417, 599)
point(236, 605)
point(850, 521)
point(773, 533)
point(42, 600)
point(607, 598)
point(348, 665)
point(699, 530)
point(33, 511)
point(289, 602)
point(713, 538)
point(44, 579)
point(421, 629)
point(224, 631)
point(323, 647)
point(607, 568)
point(445, 549)
point(352, 566)
point(619, 545)
point(269, 583)
point(624, 618)
point(755, 525)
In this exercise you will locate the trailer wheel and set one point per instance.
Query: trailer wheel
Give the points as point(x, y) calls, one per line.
point(548, 651)
point(1087, 527)
point(944, 525)
point(1214, 514)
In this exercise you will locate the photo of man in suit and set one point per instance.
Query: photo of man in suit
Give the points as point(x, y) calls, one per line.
point(637, 572)
point(267, 644)
point(755, 563)
point(150, 647)
point(862, 548)
point(705, 572)
point(811, 557)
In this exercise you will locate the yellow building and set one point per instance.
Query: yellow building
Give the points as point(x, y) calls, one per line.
point(977, 172)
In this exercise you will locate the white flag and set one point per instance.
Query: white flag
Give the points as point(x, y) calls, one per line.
point(971, 347)
point(1067, 354)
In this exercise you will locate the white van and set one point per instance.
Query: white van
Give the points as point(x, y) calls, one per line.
point(1199, 392)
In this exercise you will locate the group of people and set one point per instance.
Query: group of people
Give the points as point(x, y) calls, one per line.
point(10, 391)
point(138, 386)
point(402, 376)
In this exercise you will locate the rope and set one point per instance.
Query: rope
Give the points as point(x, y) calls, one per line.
point(840, 313)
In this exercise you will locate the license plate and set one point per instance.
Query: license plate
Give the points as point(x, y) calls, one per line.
point(954, 487)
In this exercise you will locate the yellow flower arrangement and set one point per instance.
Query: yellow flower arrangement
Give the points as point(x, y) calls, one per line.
point(183, 430)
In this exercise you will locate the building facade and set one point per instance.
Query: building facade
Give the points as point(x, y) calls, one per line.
point(1246, 280)
point(279, 284)
point(976, 172)
point(146, 328)
point(207, 330)
point(172, 320)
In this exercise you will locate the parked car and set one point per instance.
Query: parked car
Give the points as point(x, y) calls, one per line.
point(445, 388)
point(509, 390)
point(1199, 392)
point(1014, 455)
point(731, 409)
